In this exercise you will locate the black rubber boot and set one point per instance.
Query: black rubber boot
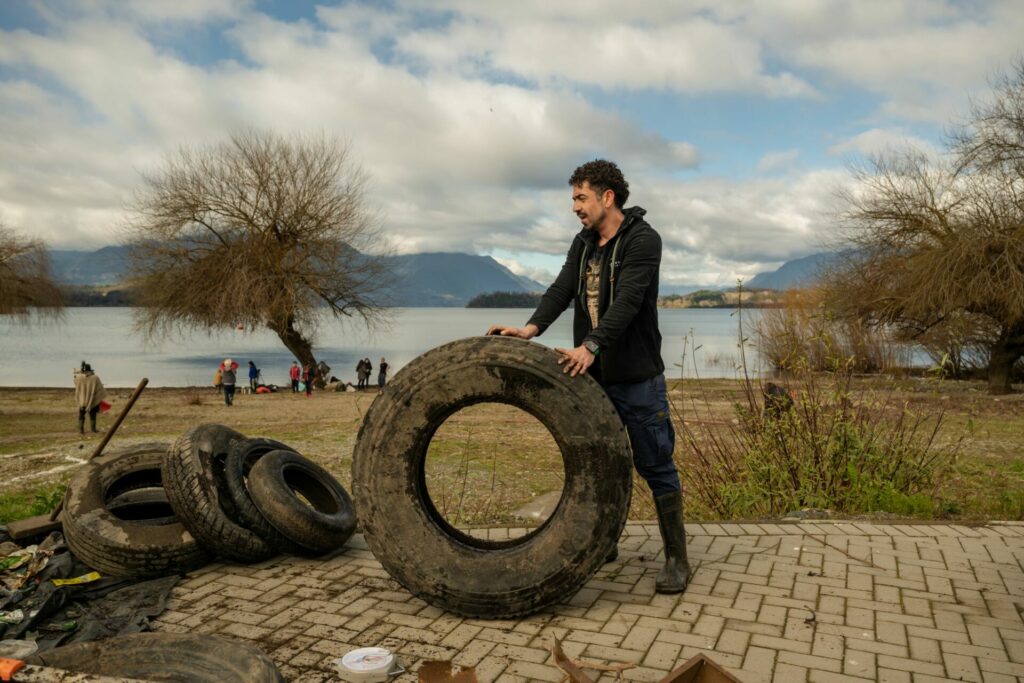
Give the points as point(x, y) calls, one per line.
point(676, 573)
point(92, 421)
point(81, 424)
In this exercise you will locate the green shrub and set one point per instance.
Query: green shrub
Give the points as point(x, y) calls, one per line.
point(833, 447)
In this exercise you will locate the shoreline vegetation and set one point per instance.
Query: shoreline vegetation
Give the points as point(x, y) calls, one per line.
point(110, 296)
point(703, 298)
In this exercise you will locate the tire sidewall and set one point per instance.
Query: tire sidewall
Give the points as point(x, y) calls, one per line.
point(442, 565)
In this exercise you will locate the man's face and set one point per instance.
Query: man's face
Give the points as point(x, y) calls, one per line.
point(588, 206)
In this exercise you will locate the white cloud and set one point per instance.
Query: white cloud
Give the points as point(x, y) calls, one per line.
point(686, 53)
point(878, 140)
point(540, 275)
point(145, 11)
point(922, 57)
point(773, 162)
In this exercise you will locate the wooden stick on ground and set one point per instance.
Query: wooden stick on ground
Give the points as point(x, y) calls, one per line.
point(110, 433)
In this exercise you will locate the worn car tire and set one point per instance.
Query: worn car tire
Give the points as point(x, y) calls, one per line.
point(325, 524)
point(449, 568)
point(145, 543)
point(193, 473)
point(241, 457)
point(149, 503)
point(198, 658)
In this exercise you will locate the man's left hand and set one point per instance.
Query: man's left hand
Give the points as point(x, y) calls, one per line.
point(576, 361)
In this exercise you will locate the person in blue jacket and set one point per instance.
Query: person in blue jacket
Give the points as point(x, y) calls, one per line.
point(254, 375)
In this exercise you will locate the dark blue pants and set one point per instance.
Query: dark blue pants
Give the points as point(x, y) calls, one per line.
point(643, 407)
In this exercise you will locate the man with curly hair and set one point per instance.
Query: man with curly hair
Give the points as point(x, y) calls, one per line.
point(611, 277)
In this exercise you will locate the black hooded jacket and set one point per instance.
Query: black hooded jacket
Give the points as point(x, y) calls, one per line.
point(627, 331)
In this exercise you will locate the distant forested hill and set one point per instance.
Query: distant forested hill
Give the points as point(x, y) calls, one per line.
point(711, 298)
point(505, 300)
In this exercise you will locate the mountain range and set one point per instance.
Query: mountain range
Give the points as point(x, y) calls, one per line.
point(428, 279)
point(431, 279)
point(795, 273)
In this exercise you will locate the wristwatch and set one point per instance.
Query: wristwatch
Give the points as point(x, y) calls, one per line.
point(591, 346)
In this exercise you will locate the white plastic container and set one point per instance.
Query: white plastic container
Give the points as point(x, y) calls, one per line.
point(367, 664)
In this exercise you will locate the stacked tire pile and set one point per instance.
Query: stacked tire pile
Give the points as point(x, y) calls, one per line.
point(154, 509)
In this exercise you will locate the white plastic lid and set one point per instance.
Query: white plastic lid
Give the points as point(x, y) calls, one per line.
point(367, 659)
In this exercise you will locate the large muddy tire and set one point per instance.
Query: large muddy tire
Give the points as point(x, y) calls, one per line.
point(114, 522)
point(199, 658)
point(325, 523)
point(241, 457)
point(449, 568)
point(196, 488)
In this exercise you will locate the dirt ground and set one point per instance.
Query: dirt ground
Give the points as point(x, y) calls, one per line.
point(488, 464)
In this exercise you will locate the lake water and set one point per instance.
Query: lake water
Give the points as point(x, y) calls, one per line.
point(43, 354)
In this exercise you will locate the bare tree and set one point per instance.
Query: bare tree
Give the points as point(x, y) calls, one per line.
point(993, 137)
point(260, 231)
point(937, 243)
point(26, 283)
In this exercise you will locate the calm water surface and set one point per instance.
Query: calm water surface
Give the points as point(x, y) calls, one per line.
point(44, 354)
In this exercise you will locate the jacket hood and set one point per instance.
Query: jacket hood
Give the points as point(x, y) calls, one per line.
point(633, 215)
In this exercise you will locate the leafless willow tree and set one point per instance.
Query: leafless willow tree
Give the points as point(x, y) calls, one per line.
point(941, 240)
point(938, 245)
point(259, 231)
point(26, 284)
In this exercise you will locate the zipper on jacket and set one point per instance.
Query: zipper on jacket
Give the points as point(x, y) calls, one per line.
point(611, 275)
point(579, 276)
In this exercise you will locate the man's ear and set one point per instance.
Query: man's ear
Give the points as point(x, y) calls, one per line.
point(608, 198)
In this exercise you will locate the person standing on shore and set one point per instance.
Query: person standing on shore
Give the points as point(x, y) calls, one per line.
point(89, 393)
point(308, 375)
point(293, 374)
point(227, 370)
point(254, 375)
point(611, 277)
point(361, 374)
point(382, 373)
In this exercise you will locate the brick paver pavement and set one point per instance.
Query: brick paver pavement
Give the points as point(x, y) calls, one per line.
point(822, 602)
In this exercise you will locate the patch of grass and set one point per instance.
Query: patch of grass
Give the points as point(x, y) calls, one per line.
point(488, 460)
point(22, 504)
point(985, 480)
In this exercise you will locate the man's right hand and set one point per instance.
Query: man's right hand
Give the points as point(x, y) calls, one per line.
point(528, 332)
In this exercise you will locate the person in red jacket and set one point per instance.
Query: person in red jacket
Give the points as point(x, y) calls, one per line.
point(294, 373)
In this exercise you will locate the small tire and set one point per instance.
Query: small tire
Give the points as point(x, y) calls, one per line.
point(149, 504)
point(97, 530)
point(325, 524)
point(241, 457)
point(452, 569)
point(193, 473)
point(197, 658)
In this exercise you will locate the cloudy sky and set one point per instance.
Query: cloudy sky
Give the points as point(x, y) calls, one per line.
point(733, 121)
